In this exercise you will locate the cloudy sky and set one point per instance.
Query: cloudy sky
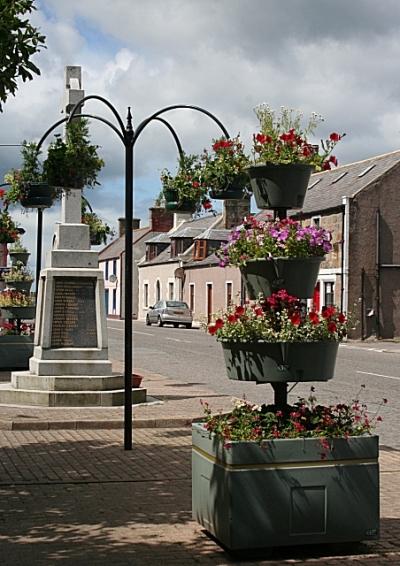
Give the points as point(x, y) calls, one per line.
point(338, 58)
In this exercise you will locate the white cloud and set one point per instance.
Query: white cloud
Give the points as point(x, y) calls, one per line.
point(337, 58)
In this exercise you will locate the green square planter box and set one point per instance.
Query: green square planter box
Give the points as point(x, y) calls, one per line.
point(15, 352)
point(284, 493)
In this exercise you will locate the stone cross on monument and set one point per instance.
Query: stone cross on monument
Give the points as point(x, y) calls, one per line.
point(70, 365)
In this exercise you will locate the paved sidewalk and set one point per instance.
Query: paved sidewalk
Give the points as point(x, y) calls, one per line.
point(70, 494)
point(170, 403)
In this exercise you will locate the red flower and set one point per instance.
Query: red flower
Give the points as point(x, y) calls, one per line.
point(232, 318)
point(295, 319)
point(332, 327)
point(326, 166)
point(327, 312)
point(341, 318)
point(196, 184)
point(314, 317)
point(258, 311)
point(2, 191)
point(207, 205)
point(219, 323)
point(333, 160)
point(212, 329)
point(335, 137)
point(261, 138)
point(239, 310)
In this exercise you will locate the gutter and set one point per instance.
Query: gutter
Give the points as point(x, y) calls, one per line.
point(344, 292)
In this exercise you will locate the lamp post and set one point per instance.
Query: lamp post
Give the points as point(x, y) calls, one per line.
point(128, 136)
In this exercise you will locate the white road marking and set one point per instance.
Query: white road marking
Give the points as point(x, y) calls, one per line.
point(346, 346)
point(379, 375)
point(178, 340)
point(133, 332)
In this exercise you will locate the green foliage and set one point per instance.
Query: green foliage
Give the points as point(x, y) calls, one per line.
point(17, 247)
point(12, 298)
point(73, 163)
point(225, 164)
point(187, 181)
point(19, 41)
point(304, 419)
point(19, 272)
point(283, 139)
point(31, 172)
point(8, 228)
point(99, 230)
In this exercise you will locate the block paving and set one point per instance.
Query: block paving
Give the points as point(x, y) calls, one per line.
point(70, 494)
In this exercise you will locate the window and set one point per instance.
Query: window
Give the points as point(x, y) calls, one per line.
point(170, 290)
point(114, 267)
point(329, 293)
point(228, 293)
point(107, 298)
point(114, 301)
point(316, 221)
point(158, 291)
point(191, 296)
point(200, 249)
point(106, 271)
point(146, 295)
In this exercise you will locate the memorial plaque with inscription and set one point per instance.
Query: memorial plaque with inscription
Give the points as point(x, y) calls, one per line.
point(74, 313)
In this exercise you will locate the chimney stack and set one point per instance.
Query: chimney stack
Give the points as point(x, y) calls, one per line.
point(160, 220)
point(234, 211)
point(122, 225)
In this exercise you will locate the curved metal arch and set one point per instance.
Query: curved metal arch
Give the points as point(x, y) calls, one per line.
point(174, 134)
point(154, 116)
point(95, 117)
point(47, 132)
point(87, 203)
point(106, 102)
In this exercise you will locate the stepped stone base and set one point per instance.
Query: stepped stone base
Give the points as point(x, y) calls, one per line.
point(110, 398)
point(27, 380)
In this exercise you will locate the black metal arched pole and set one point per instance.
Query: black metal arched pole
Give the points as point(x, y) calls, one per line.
point(129, 138)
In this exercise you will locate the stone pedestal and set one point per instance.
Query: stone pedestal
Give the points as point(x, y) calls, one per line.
point(70, 365)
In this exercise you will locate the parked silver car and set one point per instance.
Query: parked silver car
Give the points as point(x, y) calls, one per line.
point(170, 312)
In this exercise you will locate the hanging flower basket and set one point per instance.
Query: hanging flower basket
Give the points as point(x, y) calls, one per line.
point(182, 206)
point(37, 195)
point(265, 362)
point(236, 190)
point(297, 275)
point(280, 186)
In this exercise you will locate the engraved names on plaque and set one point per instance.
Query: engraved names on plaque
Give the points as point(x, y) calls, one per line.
point(74, 313)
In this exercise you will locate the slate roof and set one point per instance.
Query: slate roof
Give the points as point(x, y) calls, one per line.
point(188, 229)
point(214, 234)
point(161, 238)
point(327, 188)
point(115, 248)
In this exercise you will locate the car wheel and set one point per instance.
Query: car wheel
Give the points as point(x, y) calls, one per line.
point(189, 325)
point(176, 325)
point(160, 322)
point(148, 323)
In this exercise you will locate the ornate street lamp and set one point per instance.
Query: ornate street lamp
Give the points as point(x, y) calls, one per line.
point(128, 137)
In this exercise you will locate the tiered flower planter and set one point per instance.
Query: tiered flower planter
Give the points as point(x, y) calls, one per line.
point(15, 350)
point(285, 491)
